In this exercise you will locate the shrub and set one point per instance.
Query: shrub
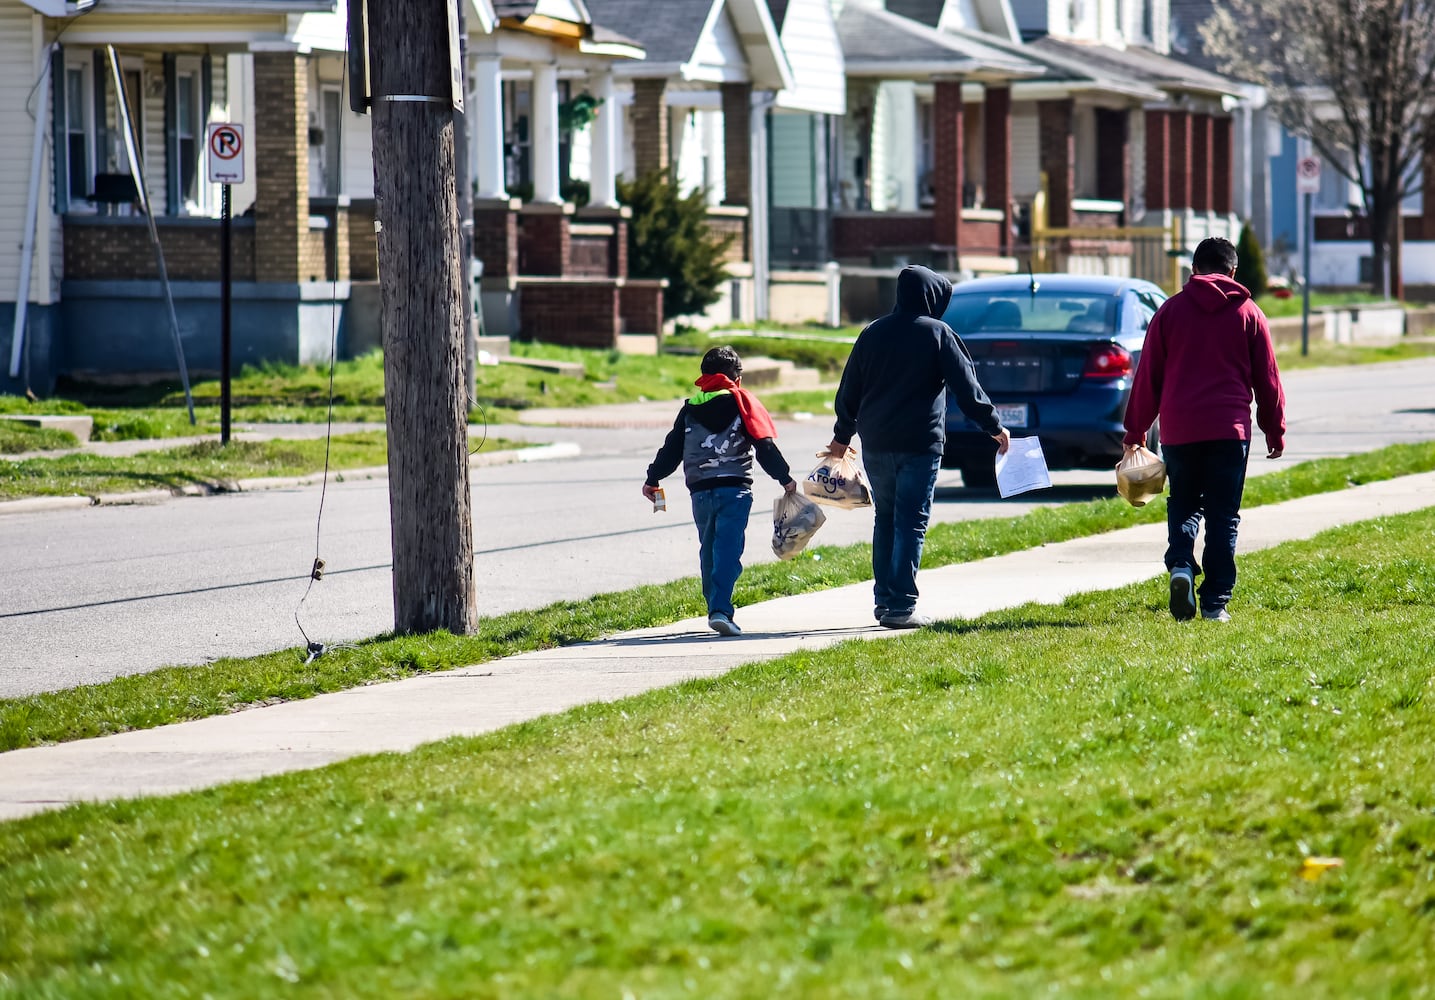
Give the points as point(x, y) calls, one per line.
point(669, 237)
point(1251, 262)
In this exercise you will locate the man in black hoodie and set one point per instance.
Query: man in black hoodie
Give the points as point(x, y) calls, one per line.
point(893, 395)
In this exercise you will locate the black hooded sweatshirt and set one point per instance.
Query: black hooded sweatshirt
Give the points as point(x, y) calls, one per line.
point(892, 388)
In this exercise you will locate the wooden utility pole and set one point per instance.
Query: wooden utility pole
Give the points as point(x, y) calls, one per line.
point(423, 280)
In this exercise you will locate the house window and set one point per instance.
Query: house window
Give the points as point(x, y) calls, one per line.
point(78, 120)
point(332, 100)
point(1334, 193)
point(187, 128)
point(517, 141)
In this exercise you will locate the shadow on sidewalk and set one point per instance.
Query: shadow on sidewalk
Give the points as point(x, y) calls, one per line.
point(647, 641)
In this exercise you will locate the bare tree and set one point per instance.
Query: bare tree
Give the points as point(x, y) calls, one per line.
point(422, 281)
point(1357, 77)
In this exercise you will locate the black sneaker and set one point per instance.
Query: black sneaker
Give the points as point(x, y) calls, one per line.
point(879, 612)
point(1183, 594)
point(723, 625)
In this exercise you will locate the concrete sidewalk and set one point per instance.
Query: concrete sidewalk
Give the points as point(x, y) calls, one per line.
point(401, 715)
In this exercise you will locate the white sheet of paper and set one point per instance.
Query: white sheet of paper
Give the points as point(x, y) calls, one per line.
point(1022, 468)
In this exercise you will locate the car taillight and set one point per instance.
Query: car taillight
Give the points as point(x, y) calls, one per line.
point(1107, 361)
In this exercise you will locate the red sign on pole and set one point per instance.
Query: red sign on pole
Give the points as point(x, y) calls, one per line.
point(226, 153)
point(1307, 175)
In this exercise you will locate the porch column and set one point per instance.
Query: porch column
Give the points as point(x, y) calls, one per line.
point(1202, 168)
point(737, 143)
point(1221, 164)
point(650, 126)
point(948, 126)
point(485, 124)
point(603, 178)
point(1113, 156)
point(282, 251)
point(1158, 160)
point(1058, 158)
point(1180, 189)
point(996, 136)
point(545, 134)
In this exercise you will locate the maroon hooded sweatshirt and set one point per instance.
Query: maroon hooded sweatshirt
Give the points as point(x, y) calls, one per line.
point(1208, 351)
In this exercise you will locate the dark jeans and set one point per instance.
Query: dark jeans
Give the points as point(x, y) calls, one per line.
point(902, 486)
point(1206, 478)
point(721, 516)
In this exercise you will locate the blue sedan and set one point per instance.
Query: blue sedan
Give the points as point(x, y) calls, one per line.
point(1056, 353)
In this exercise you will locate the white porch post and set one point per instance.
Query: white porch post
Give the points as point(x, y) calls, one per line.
point(545, 134)
point(486, 129)
point(604, 193)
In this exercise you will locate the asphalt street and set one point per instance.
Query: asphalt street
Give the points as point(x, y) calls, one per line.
point(94, 593)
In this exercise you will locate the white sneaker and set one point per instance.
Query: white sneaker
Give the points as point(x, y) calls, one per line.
point(722, 624)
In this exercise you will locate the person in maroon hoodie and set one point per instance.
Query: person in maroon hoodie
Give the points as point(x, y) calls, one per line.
point(1208, 351)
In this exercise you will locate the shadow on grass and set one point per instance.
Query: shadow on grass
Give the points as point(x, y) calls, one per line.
point(968, 627)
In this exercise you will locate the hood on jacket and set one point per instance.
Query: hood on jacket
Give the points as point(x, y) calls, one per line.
point(1214, 292)
point(922, 292)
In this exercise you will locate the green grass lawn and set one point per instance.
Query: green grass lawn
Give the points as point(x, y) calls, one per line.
point(17, 438)
point(826, 355)
point(277, 393)
point(1292, 306)
point(174, 694)
point(207, 464)
point(1083, 800)
point(1325, 355)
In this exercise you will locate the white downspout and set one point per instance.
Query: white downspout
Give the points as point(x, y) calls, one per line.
point(32, 209)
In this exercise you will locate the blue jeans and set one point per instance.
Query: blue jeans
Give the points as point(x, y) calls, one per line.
point(721, 515)
point(902, 484)
point(1206, 478)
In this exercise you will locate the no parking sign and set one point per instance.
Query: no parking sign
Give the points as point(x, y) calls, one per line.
point(226, 153)
point(1307, 175)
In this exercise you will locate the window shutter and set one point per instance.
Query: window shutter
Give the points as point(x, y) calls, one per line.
point(59, 138)
point(171, 136)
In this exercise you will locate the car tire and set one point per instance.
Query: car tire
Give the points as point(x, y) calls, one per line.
point(979, 475)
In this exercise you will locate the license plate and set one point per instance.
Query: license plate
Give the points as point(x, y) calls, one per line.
point(1012, 414)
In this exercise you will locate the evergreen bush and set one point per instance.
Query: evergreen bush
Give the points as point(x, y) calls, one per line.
point(669, 237)
point(1251, 262)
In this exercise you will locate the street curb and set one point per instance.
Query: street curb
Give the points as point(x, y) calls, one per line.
point(33, 505)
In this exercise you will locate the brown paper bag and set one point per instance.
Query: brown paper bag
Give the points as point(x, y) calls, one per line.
point(1140, 476)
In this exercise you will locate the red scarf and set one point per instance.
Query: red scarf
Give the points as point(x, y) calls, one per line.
point(754, 415)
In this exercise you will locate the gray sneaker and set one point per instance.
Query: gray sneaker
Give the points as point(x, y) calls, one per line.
point(1183, 594)
point(904, 619)
point(722, 624)
point(1215, 614)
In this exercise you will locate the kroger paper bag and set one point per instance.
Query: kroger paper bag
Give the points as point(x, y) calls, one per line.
point(837, 482)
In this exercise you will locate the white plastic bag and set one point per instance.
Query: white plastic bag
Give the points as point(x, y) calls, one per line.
point(837, 482)
point(1140, 476)
point(795, 519)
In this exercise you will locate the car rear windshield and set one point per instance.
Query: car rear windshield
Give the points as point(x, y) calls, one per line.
point(1046, 311)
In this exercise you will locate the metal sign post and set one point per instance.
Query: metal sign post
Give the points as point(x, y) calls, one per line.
point(1307, 183)
point(226, 167)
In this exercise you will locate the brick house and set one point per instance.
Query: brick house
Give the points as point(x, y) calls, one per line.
point(552, 271)
point(698, 106)
point(1266, 186)
point(95, 304)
